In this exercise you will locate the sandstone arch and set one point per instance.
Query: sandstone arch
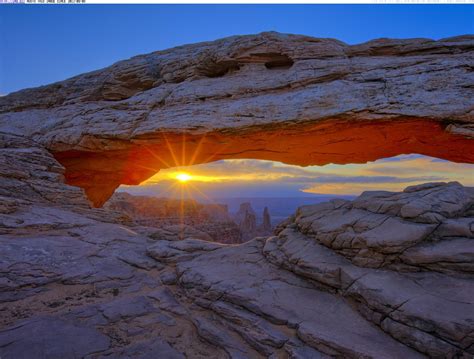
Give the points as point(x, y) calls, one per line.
point(289, 98)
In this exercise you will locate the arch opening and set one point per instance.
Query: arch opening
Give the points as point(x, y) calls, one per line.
point(232, 201)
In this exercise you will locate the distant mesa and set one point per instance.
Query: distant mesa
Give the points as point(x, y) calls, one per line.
point(188, 218)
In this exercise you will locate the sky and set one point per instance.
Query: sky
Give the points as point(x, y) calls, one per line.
point(44, 44)
point(254, 178)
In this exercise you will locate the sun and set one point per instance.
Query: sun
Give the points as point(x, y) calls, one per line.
point(183, 177)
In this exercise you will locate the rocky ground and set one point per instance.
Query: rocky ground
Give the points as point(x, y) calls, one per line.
point(388, 275)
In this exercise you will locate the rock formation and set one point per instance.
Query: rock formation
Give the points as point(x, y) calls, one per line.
point(388, 275)
point(267, 222)
point(238, 97)
point(246, 219)
point(210, 222)
point(147, 207)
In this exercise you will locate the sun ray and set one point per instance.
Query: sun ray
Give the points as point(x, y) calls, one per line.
point(171, 189)
point(191, 196)
point(217, 153)
point(181, 214)
point(157, 157)
point(205, 196)
point(148, 168)
point(170, 149)
point(183, 149)
point(197, 150)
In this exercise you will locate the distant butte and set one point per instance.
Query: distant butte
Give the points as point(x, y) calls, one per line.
point(289, 98)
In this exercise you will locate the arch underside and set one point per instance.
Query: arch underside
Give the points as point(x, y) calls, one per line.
point(330, 141)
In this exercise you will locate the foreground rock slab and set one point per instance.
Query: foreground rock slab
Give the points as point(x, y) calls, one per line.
point(51, 338)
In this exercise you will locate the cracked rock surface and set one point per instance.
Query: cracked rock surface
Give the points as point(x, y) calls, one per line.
point(388, 275)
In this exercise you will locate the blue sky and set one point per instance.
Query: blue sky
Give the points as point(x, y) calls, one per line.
point(44, 44)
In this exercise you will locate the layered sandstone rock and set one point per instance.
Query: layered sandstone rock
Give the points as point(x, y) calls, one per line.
point(238, 97)
point(401, 231)
point(424, 302)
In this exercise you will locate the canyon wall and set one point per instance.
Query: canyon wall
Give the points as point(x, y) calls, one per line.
point(180, 217)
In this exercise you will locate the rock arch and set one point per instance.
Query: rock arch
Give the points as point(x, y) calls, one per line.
point(287, 98)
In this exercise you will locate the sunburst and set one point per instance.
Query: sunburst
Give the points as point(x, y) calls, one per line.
point(183, 184)
point(183, 177)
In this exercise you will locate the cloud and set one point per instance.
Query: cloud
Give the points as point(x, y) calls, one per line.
point(230, 178)
point(359, 179)
point(400, 158)
point(226, 167)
